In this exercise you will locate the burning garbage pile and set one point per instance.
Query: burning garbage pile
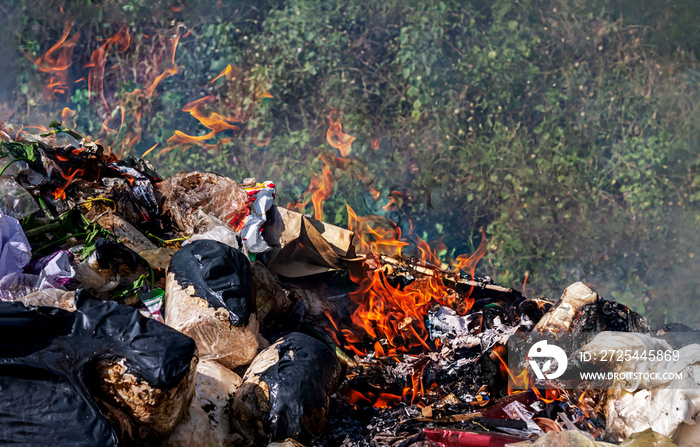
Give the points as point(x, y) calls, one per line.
point(136, 310)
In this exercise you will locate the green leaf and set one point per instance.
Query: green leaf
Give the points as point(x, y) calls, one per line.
point(22, 151)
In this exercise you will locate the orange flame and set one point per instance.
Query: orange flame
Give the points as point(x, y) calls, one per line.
point(393, 313)
point(468, 263)
point(213, 121)
point(320, 189)
point(56, 62)
point(168, 72)
point(60, 192)
point(335, 135)
point(523, 380)
point(98, 60)
point(527, 275)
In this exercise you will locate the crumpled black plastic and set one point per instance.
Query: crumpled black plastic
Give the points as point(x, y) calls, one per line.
point(47, 354)
point(220, 274)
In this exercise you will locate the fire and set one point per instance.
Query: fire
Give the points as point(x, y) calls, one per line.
point(527, 276)
point(468, 263)
point(389, 312)
point(215, 121)
point(335, 135)
point(374, 399)
point(98, 60)
point(168, 72)
point(320, 189)
point(60, 192)
point(378, 234)
point(523, 380)
point(56, 62)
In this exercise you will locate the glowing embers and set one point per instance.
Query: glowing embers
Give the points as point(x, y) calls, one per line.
point(56, 61)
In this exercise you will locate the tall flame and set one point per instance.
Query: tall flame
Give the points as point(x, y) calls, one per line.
point(56, 62)
point(98, 60)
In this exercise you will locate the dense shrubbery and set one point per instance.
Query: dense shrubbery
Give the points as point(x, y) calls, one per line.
point(569, 133)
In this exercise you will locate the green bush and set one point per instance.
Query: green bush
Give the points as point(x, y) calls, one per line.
point(567, 131)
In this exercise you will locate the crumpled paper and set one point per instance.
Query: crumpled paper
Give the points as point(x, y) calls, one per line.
point(310, 254)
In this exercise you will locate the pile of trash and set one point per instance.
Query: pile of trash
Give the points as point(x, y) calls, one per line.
point(136, 310)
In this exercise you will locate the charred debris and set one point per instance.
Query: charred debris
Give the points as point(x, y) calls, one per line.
point(136, 310)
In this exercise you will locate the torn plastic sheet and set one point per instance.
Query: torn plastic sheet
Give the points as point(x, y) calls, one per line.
point(55, 270)
point(210, 227)
point(16, 285)
point(15, 201)
point(15, 251)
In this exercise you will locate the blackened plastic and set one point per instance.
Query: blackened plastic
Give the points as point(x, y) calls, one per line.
point(46, 354)
point(220, 274)
point(300, 382)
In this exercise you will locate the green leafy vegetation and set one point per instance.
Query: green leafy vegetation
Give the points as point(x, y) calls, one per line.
point(567, 130)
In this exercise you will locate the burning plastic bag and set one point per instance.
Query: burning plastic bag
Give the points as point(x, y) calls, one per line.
point(285, 391)
point(209, 295)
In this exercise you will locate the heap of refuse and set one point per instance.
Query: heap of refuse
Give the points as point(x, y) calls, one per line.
point(136, 310)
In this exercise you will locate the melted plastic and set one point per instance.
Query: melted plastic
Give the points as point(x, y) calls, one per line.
point(300, 383)
point(46, 355)
point(220, 274)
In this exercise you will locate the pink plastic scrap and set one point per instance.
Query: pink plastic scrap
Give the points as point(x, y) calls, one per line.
point(462, 438)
